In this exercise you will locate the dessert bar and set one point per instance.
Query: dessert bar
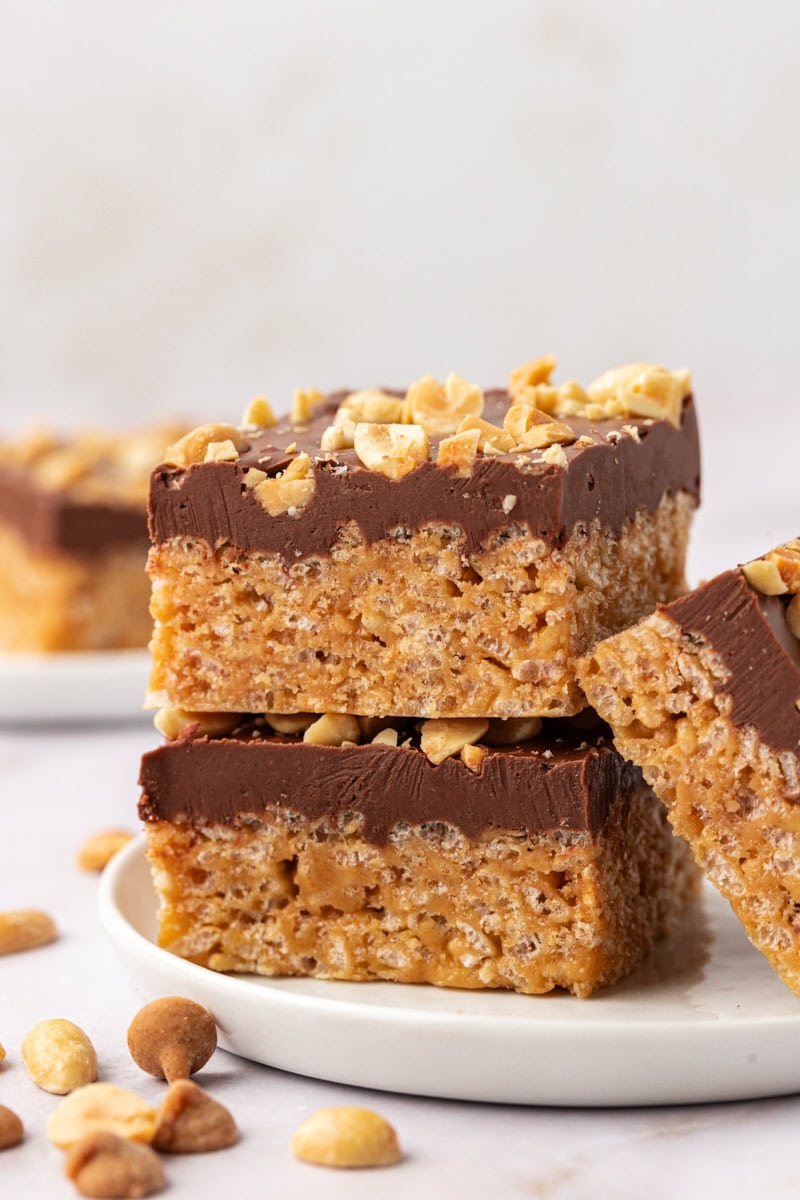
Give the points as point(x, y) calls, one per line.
point(464, 853)
point(705, 696)
point(73, 540)
point(440, 552)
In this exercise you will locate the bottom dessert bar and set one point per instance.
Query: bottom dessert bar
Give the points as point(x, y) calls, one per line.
point(705, 696)
point(541, 864)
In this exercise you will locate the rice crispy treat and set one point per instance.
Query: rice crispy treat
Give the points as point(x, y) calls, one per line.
point(442, 552)
point(73, 539)
point(461, 853)
point(705, 696)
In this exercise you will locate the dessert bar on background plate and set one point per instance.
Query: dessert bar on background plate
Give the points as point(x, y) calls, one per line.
point(100, 685)
point(440, 553)
point(73, 540)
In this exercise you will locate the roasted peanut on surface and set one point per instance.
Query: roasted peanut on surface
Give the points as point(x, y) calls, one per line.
point(172, 1037)
point(24, 930)
point(346, 1137)
point(59, 1057)
point(100, 1106)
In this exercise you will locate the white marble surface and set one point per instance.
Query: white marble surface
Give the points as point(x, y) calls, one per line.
point(57, 786)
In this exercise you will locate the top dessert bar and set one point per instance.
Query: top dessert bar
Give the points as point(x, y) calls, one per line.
point(73, 538)
point(704, 695)
point(436, 553)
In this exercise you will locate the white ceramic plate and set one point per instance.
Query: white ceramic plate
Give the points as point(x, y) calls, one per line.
point(703, 1020)
point(106, 685)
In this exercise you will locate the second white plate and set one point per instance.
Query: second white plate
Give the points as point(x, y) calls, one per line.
point(705, 1019)
point(106, 685)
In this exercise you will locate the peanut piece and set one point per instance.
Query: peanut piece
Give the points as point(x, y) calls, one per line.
point(554, 456)
point(491, 438)
point(191, 1122)
point(370, 405)
point(473, 756)
point(259, 414)
point(763, 575)
point(459, 451)
point(439, 409)
point(102, 1164)
point(386, 737)
point(346, 1137)
point(11, 1131)
point(221, 452)
point(391, 450)
point(172, 1038)
point(303, 405)
point(787, 559)
point(514, 729)
point(332, 729)
point(25, 929)
point(59, 1057)
point(2, 1052)
point(338, 437)
point(192, 447)
point(100, 1106)
point(172, 722)
point(98, 850)
point(292, 723)
point(288, 491)
point(442, 737)
point(641, 389)
point(537, 371)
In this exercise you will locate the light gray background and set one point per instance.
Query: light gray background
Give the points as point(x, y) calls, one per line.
point(205, 201)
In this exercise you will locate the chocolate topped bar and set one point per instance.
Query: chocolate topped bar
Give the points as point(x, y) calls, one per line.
point(81, 495)
point(440, 852)
point(751, 635)
point(704, 696)
point(443, 552)
point(565, 778)
point(613, 467)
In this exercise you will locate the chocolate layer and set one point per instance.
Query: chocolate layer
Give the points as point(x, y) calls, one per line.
point(610, 479)
point(540, 786)
point(53, 521)
point(750, 634)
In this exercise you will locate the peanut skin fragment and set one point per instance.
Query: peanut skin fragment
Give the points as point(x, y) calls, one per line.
point(102, 1164)
point(11, 1130)
point(192, 1122)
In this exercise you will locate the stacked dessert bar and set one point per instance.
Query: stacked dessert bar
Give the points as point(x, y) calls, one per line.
point(367, 622)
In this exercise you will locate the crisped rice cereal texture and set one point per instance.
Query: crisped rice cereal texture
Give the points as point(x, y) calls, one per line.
point(283, 895)
point(52, 600)
point(733, 798)
point(409, 624)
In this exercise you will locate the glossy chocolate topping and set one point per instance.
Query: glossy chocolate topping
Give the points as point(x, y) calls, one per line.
point(750, 634)
point(536, 787)
point(52, 520)
point(610, 479)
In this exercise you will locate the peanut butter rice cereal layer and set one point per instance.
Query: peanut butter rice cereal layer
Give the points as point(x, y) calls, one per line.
point(436, 553)
point(705, 696)
point(73, 539)
point(462, 853)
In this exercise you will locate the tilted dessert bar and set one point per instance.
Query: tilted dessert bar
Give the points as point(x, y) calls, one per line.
point(705, 696)
point(73, 540)
point(441, 852)
point(440, 553)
